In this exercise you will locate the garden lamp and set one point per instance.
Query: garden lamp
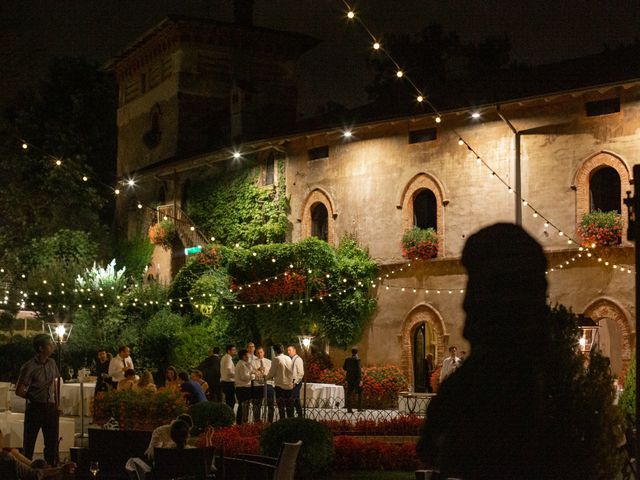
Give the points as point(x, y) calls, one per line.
point(305, 343)
point(588, 333)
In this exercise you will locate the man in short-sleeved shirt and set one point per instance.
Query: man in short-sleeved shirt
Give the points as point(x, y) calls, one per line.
point(36, 384)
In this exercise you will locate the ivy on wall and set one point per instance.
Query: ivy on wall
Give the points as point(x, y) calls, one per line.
point(234, 208)
point(314, 269)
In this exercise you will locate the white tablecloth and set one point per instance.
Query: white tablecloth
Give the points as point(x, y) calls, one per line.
point(12, 427)
point(4, 395)
point(322, 395)
point(70, 398)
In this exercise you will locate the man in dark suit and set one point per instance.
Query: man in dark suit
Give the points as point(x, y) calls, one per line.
point(210, 368)
point(354, 379)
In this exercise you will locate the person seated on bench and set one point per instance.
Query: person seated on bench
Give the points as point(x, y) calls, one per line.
point(15, 466)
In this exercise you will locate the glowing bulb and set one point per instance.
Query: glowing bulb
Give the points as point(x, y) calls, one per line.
point(192, 228)
point(140, 205)
point(84, 178)
point(438, 119)
point(347, 134)
point(376, 46)
point(546, 224)
point(306, 342)
point(131, 182)
point(60, 331)
point(58, 163)
point(351, 14)
point(475, 115)
point(460, 142)
point(236, 155)
point(399, 74)
point(420, 99)
point(535, 214)
point(25, 146)
point(116, 191)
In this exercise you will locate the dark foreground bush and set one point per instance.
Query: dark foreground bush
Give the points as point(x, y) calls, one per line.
point(213, 414)
point(316, 453)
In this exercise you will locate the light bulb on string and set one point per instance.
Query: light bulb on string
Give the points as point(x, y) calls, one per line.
point(351, 14)
point(58, 162)
point(347, 134)
point(460, 142)
point(420, 98)
point(376, 45)
point(116, 191)
point(438, 119)
point(399, 74)
point(85, 178)
point(25, 146)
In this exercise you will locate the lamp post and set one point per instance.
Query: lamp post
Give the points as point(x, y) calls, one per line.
point(305, 343)
point(588, 333)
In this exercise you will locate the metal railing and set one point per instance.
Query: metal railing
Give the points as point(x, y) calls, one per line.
point(185, 227)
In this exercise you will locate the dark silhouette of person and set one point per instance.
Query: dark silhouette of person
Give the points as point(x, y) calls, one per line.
point(488, 420)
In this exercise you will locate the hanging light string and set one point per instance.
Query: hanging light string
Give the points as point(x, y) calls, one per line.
point(422, 98)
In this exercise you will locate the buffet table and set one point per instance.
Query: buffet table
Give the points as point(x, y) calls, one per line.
point(322, 395)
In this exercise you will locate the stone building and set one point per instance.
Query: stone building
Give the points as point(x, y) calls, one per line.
point(192, 92)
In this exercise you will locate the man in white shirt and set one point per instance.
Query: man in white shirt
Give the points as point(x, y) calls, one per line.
point(251, 348)
point(227, 376)
point(161, 436)
point(282, 376)
point(261, 387)
point(244, 375)
point(449, 364)
point(297, 369)
point(120, 364)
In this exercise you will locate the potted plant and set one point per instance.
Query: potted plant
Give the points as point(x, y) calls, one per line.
point(601, 229)
point(163, 233)
point(420, 243)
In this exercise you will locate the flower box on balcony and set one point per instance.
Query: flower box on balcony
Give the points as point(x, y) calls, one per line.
point(420, 244)
point(163, 233)
point(600, 229)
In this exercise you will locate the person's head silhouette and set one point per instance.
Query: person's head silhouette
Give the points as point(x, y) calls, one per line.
point(505, 300)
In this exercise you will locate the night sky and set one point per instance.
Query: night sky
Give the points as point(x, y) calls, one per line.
point(34, 31)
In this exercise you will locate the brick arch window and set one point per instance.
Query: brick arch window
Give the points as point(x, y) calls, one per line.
point(317, 217)
point(422, 201)
point(604, 190)
point(320, 221)
point(425, 209)
point(600, 181)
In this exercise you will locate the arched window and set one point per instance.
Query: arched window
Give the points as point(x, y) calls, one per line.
point(604, 190)
point(320, 222)
point(269, 169)
point(425, 210)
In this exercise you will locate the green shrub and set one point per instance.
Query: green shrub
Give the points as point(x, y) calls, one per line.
point(213, 414)
point(316, 453)
point(627, 401)
point(12, 355)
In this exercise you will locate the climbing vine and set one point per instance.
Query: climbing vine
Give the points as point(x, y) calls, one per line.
point(234, 208)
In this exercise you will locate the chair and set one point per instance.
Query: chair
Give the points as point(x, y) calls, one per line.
point(188, 463)
point(257, 467)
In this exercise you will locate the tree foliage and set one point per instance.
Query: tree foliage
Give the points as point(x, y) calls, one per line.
point(324, 292)
point(70, 118)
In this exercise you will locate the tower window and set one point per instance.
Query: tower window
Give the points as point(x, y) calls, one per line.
point(319, 152)
point(320, 222)
point(604, 190)
point(603, 107)
point(424, 210)
point(426, 135)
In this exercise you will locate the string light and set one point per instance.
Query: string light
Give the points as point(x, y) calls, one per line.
point(376, 46)
point(420, 99)
point(399, 74)
point(25, 146)
point(351, 14)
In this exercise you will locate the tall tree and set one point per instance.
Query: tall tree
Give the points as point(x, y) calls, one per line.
point(68, 126)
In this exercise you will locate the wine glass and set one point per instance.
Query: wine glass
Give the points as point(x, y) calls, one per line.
point(70, 372)
point(94, 468)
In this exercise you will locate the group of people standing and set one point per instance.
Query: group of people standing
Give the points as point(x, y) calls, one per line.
point(254, 378)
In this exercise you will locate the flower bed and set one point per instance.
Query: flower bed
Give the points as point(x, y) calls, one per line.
point(356, 454)
point(600, 229)
point(244, 438)
point(380, 385)
point(402, 425)
point(138, 409)
point(420, 244)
